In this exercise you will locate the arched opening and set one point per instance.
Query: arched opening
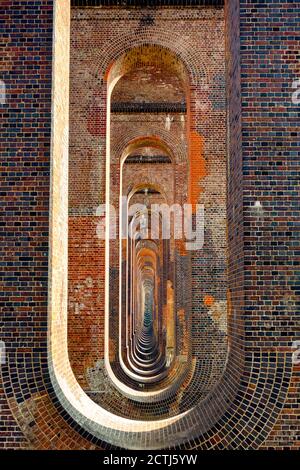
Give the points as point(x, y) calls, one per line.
point(225, 409)
point(134, 141)
point(147, 347)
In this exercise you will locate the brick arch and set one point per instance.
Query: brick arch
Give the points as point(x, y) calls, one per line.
point(222, 434)
point(141, 185)
point(227, 393)
point(113, 49)
point(178, 150)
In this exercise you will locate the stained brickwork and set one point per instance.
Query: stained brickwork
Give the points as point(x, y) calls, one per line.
point(205, 143)
point(270, 157)
point(258, 394)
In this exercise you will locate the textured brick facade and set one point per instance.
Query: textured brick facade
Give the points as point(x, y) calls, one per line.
point(258, 390)
point(206, 142)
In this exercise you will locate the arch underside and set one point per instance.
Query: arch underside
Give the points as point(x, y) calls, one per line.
point(210, 386)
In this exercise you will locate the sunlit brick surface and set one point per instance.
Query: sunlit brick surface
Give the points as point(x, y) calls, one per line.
point(255, 401)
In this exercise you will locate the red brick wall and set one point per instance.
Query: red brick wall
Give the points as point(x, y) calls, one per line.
point(264, 149)
point(95, 46)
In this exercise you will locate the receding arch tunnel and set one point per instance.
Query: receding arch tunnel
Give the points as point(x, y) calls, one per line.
point(154, 350)
point(146, 110)
point(149, 345)
point(153, 115)
point(156, 365)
